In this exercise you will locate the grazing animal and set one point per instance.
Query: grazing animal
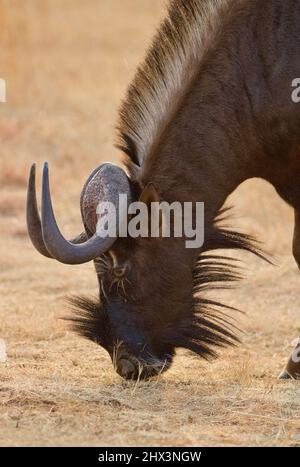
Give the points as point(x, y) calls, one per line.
point(210, 107)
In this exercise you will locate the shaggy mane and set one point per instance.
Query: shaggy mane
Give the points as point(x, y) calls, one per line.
point(165, 77)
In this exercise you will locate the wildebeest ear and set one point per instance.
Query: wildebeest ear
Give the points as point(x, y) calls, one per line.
point(149, 195)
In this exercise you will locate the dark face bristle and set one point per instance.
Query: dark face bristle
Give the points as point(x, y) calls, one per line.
point(88, 319)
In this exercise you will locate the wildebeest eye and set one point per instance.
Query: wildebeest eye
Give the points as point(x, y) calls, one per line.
point(119, 271)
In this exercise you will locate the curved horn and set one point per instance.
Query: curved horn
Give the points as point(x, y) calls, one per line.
point(33, 219)
point(34, 226)
point(57, 245)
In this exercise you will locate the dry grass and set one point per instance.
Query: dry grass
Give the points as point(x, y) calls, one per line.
point(67, 64)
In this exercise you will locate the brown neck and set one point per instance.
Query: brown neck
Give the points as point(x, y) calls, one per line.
point(202, 157)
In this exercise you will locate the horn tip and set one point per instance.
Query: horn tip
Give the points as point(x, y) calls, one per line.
point(46, 172)
point(31, 181)
point(32, 168)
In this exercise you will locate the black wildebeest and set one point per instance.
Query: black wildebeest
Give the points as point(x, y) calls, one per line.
point(210, 107)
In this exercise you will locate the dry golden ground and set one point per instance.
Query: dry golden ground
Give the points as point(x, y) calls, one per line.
point(67, 64)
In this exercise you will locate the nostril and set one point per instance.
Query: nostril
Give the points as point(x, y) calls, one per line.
point(126, 368)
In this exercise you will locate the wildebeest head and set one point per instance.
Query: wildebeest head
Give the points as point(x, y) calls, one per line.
point(147, 304)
